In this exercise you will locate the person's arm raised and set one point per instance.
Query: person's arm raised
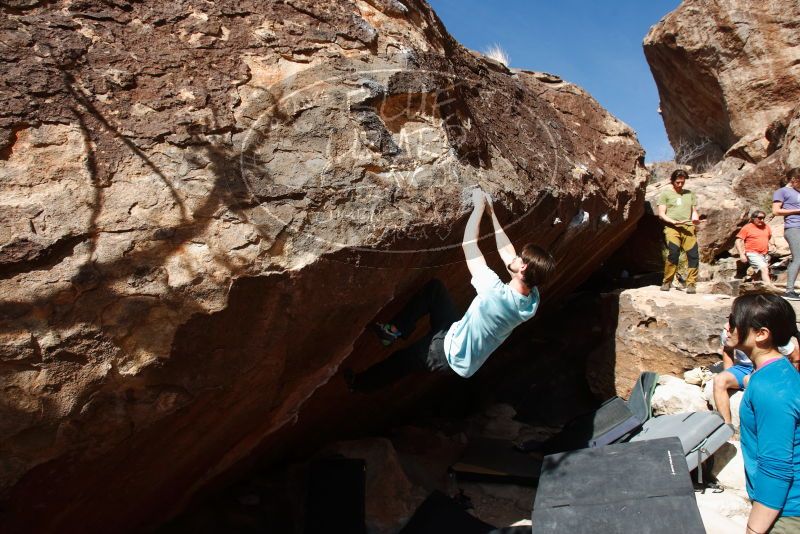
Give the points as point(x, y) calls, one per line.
point(472, 252)
point(504, 246)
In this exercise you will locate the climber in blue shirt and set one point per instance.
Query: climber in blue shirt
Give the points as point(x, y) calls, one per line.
point(463, 343)
point(769, 413)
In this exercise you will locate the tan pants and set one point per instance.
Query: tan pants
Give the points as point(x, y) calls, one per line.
point(786, 525)
point(681, 238)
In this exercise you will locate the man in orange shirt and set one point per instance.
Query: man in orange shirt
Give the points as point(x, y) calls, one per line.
point(752, 242)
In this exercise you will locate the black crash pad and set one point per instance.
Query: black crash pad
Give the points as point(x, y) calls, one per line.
point(609, 423)
point(497, 460)
point(642, 487)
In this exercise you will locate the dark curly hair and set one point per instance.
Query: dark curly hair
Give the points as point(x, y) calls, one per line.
point(678, 173)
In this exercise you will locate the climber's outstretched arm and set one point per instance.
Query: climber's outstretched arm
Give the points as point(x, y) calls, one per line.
point(504, 245)
point(472, 252)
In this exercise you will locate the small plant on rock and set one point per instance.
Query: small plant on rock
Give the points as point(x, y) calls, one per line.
point(700, 154)
point(497, 53)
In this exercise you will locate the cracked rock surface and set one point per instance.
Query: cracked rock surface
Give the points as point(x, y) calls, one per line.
point(664, 332)
point(202, 205)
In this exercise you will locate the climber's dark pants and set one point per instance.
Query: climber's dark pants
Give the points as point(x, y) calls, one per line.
point(681, 237)
point(427, 353)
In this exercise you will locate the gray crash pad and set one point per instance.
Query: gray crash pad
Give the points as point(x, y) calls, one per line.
point(701, 433)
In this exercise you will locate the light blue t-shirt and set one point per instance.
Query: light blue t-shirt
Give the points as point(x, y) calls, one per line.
point(489, 320)
point(770, 427)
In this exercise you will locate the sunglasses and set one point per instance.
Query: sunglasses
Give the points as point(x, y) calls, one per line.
point(730, 324)
point(760, 217)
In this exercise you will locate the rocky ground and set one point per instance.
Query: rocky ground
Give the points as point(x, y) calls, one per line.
point(414, 459)
point(408, 463)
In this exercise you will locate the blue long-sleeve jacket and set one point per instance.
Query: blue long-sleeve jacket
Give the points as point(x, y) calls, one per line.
point(770, 427)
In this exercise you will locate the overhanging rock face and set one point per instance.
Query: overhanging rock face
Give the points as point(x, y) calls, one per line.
point(202, 207)
point(725, 70)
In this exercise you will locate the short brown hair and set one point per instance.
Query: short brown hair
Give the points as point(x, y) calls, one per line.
point(540, 265)
point(793, 173)
point(678, 173)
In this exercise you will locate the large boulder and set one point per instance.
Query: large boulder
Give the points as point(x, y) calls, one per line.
point(728, 466)
point(666, 332)
point(723, 512)
point(729, 83)
point(755, 179)
point(725, 70)
point(203, 205)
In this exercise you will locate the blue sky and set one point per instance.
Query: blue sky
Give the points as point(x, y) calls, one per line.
point(594, 43)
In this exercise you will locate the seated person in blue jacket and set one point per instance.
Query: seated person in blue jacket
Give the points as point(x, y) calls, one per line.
point(770, 412)
point(463, 344)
